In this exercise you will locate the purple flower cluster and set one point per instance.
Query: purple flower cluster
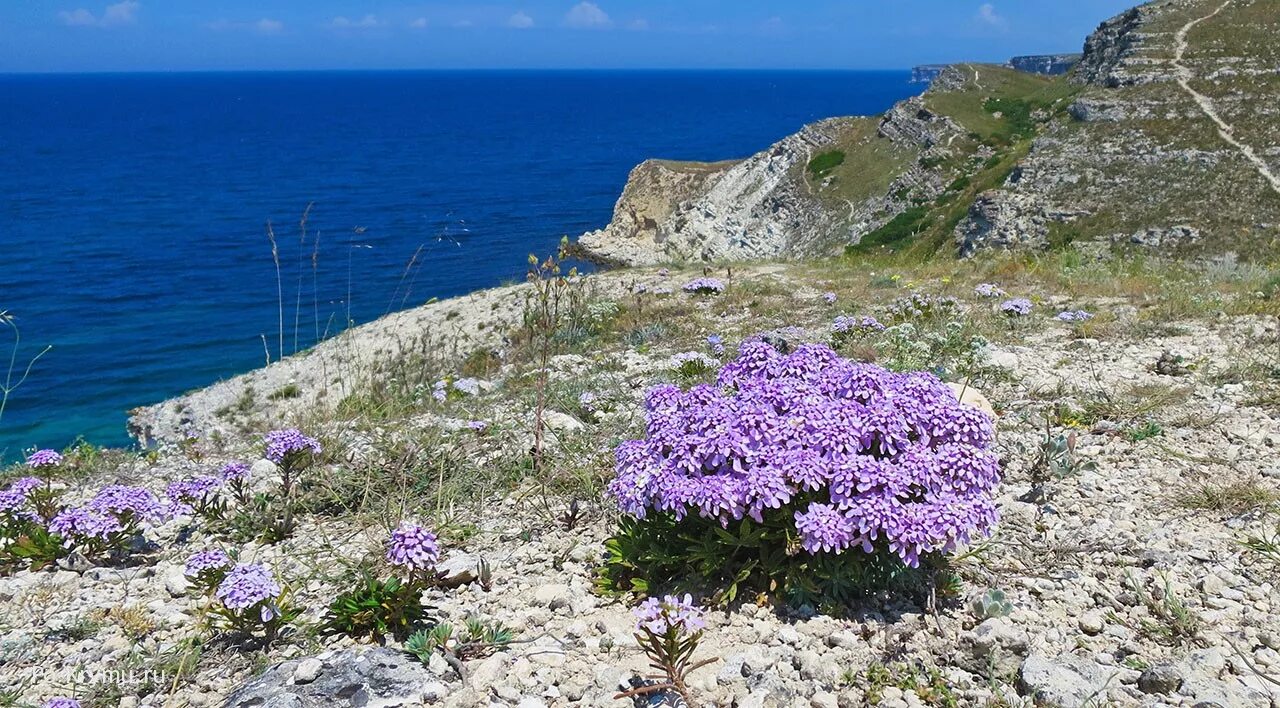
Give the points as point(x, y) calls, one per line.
point(62, 703)
point(42, 459)
point(247, 585)
point(669, 613)
point(989, 290)
point(847, 324)
point(1074, 316)
point(716, 343)
point(478, 426)
point(14, 504)
point(233, 471)
point(79, 524)
point(203, 562)
point(829, 298)
point(128, 504)
point(1017, 307)
point(184, 493)
point(413, 548)
point(895, 456)
point(705, 286)
point(288, 444)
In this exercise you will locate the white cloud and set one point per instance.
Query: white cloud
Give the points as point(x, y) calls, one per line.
point(987, 15)
point(366, 22)
point(265, 25)
point(587, 15)
point(268, 26)
point(520, 21)
point(77, 18)
point(639, 24)
point(121, 13)
point(420, 23)
point(464, 23)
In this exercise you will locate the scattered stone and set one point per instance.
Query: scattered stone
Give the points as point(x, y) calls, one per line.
point(1160, 679)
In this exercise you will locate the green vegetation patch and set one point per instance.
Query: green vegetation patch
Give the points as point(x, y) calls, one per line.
point(823, 163)
point(897, 233)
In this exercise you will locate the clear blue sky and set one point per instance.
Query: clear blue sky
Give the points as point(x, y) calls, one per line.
point(161, 35)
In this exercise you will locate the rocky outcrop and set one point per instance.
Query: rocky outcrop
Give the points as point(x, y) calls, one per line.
point(654, 189)
point(1112, 49)
point(768, 205)
point(379, 676)
point(926, 73)
point(1045, 64)
point(1167, 120)
point(1161, 147)
point(753, 209)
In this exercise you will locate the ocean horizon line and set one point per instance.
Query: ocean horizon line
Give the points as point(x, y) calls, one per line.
point(494, 70)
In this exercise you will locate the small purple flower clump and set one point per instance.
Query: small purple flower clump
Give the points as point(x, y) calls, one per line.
point(128, 504)
point(705, 286)
point(829, 298)
point(1074, 316)
point(26, 485)
point(289, 444)
point(44, 459)
point(247, 585)
point(716, 343)
point(413, 548)
point(203, 562)
point(81, 524)
point(233, 471)
point(15, 501)
point(478, 426)
point(670, 613)
point(895, 456)
point(14, 508)
point(846, 324)
point(61, 702)
point(470, 387)
point(193, 491)
point(1017, 307)
point(989, 290)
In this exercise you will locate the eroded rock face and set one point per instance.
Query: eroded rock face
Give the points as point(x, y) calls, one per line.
point(373, 677)
point(753, 209)
point(654, 189)
point(1142, 159)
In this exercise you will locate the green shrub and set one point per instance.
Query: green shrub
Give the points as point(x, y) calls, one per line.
point(376, 609)
point(744, 559)
point(897, 233)
point(823, 163)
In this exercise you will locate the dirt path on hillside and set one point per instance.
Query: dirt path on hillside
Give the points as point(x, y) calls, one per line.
point(1206, 105)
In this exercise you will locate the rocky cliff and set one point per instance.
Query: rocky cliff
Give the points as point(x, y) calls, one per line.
point(1162, 136)
point(1047, 64)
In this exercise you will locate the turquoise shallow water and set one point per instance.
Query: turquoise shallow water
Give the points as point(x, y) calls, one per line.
point(132, 207)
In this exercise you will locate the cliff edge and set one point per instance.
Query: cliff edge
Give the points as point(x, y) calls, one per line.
point(1161, 137)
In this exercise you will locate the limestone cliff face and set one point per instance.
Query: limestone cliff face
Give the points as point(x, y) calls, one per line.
point(1170, 143)
point(654, 189)
point(755, 208)
point(1162, 137)
point(771, 205)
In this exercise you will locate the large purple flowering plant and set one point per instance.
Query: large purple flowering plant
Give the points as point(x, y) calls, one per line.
point(804, 474)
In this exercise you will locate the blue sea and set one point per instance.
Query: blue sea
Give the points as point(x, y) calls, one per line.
point(133, 208)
